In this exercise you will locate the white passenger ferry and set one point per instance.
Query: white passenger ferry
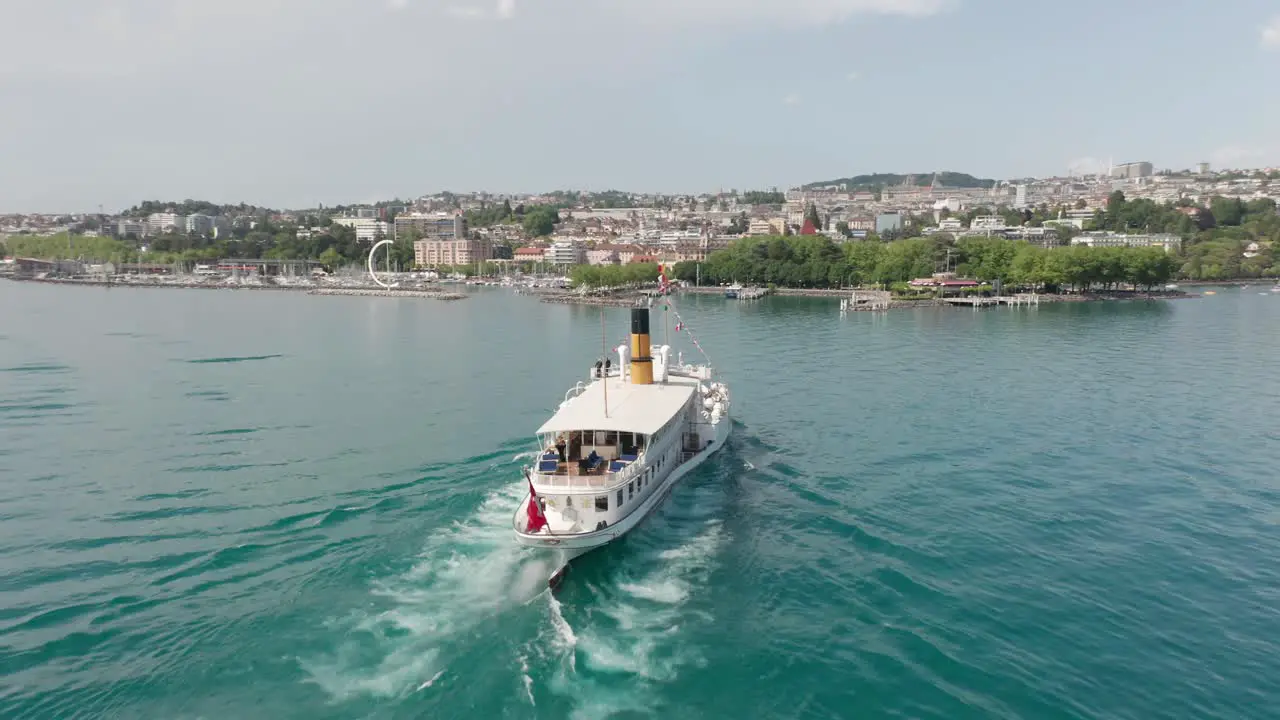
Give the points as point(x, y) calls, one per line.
point(618, 444)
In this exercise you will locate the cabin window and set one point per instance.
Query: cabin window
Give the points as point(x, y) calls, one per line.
point(631, 489)
point(602, 503)
point(619, 497)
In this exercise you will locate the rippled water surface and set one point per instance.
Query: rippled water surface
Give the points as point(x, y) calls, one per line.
point(244, 505)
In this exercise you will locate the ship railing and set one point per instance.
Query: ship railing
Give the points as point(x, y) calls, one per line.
point(591, 481)
point(574, 391)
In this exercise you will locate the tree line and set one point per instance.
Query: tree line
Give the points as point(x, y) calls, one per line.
point(814, 261)
point(597, 276)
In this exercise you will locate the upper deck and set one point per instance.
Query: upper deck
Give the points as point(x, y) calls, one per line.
point(613, 404)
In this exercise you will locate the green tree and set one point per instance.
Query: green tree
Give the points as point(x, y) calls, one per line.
point(332, 259)
point(811, 215)
point(540, 222)
point(758, 197)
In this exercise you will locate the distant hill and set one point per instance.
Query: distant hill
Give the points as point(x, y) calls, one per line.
point(876, 181)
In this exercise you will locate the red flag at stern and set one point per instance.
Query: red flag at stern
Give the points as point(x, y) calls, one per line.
point(537, 520)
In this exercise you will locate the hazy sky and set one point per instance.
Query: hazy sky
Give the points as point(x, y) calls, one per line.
point(294, 102)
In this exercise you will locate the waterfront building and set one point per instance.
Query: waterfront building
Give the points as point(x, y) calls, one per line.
point(566, 252)
point(435, 253)
point(1171, 243)
point(529, 254)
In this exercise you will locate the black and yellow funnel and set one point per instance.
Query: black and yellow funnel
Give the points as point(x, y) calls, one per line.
point(641, 363)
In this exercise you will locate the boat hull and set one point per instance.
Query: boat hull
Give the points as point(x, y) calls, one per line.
point(580, 543)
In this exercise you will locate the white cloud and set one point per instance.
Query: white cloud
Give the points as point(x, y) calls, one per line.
point(780, 12)
point(274, 94)
point(505, 10)
point(464, 12)
point(1271, 33)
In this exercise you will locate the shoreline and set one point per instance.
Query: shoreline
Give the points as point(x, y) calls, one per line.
point(337, 290)
point(630, 299)
point(636, 300)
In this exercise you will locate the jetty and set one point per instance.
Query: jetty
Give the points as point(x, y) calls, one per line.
point(866, 300)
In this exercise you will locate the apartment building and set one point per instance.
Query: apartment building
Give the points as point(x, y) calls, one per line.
point(1132, 170)
point(368, 230)
point(166, 222)
point(199, 224)
point(130, 228)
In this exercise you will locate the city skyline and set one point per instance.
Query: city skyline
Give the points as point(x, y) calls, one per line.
point(292, 103)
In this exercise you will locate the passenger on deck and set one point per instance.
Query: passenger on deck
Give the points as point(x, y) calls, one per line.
point(560, 446)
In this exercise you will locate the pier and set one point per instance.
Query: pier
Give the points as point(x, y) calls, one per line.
point(860, 300)
point(1019, 300)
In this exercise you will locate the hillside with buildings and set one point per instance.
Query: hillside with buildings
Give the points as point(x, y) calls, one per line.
point(1216, 223)
point(876, 181)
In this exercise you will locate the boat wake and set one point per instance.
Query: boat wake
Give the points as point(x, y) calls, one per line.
point(465, 576)
point(626, 619)
point(610, 637)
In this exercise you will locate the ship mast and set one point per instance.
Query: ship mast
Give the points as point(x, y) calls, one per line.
point(604, 346)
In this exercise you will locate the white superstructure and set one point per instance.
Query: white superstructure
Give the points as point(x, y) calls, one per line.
point(618, 444)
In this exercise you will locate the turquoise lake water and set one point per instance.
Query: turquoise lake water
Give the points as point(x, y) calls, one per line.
point(270, 505)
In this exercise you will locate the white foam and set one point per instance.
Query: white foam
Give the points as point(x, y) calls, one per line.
point(431, 682)
point(566, 641)
point(668, 591)
point(634, 628)
point(527, 679)
point(466, 574)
